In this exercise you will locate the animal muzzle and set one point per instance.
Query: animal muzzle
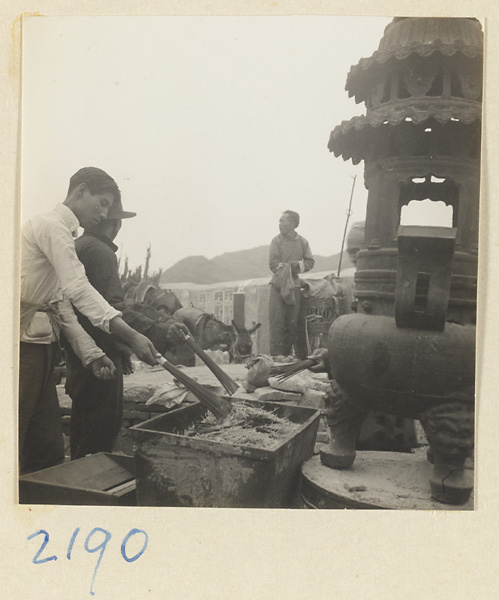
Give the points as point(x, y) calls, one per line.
point(244, 358)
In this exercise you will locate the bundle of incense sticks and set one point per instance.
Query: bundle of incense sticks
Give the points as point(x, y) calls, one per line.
point(225, 379)
point(220, 407)
point(251, 426)
point(283, 372)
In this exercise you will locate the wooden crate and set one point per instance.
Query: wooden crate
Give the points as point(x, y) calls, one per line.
point(99, 479)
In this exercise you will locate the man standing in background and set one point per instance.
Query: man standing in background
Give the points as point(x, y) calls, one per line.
point(289, 255)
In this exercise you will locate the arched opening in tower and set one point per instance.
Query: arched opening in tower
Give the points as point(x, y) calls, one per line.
point(429, 201)
point(426, 213)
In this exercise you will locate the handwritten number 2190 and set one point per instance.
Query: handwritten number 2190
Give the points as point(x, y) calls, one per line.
point(90, 547)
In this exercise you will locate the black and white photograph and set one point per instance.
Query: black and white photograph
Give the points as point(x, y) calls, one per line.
point(181, 342)
point(248, 266)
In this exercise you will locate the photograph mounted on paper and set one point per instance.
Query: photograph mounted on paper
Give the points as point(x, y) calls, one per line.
point(249, 251)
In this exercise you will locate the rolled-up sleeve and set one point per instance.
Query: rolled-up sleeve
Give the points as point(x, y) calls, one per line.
point(57, 244)
point(83, 345)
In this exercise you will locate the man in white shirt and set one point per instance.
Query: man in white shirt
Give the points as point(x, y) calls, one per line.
point(52, 280)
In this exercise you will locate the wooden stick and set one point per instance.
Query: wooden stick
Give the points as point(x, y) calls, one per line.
point(286, 368)
point(225, 379)
point(349, 213)
point(215, 404)
point(295, 369)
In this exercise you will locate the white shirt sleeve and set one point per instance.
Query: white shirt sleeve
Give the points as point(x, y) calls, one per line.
point(57, 244)
point(83, 345)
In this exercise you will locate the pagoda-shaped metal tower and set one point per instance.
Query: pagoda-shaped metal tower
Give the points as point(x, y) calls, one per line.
point(409, 350)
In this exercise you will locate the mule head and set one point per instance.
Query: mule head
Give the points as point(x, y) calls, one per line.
point(242, 348)
point(217, 335)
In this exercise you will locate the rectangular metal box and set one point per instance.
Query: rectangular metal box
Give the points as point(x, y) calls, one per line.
point(177, 470)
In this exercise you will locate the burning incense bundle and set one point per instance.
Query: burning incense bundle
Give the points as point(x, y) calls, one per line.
point(226, 380)
point(220, 407)
point(252, 426)
point(283, 372)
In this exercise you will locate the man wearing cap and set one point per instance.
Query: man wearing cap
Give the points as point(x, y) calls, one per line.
point(97, 408)
point(53, 280)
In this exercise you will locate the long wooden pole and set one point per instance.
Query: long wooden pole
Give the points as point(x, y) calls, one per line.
point(225, 379)
point(220, 407)
point(349, 212)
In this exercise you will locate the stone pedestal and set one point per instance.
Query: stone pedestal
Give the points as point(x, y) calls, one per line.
point(377, 480)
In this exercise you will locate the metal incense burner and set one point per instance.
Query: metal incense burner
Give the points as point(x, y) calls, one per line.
point(410, 349)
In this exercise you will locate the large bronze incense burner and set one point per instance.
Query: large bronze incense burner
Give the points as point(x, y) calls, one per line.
point(410, 349)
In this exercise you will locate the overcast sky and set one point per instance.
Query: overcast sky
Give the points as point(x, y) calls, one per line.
point(211, 126)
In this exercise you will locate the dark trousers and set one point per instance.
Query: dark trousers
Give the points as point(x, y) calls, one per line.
point(97, 407)
point(283, 321)
point(41, 444)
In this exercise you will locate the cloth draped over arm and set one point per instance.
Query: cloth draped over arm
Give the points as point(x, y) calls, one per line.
point(295, 252)
point(283, 281)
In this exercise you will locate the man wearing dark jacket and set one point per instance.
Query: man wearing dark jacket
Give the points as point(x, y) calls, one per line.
point(97, 409)
point(289, 253)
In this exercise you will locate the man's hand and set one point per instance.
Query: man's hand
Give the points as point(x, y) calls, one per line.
point(141, 346)
point(103, 368)
point(321, 358)
point(144, 349)
point(127, 364)
point(165, 336)
point(177, 332)
point(295, 268)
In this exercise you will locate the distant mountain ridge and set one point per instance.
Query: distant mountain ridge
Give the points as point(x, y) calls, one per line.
point(235, 266)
